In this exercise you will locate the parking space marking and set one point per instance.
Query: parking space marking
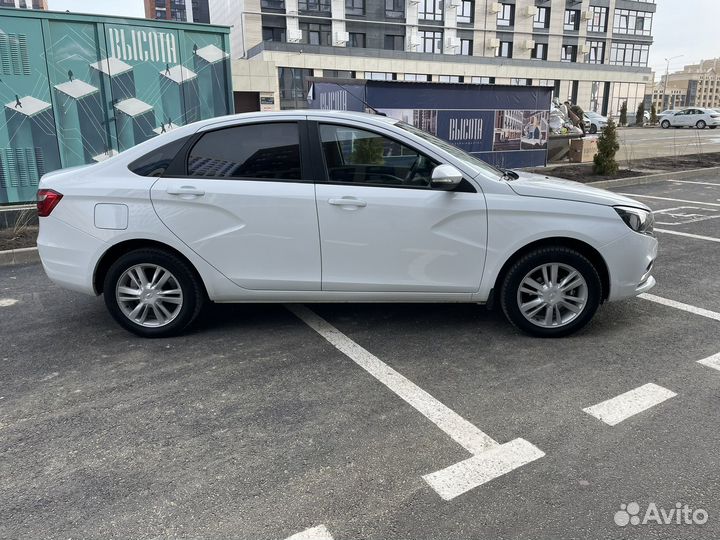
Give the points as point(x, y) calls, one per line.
point(689, 235)
point(711, 361)
point(668, 199)
point(455, 426)
point(316, 533)
point(615, 410)
point(7, 302)
point(716, 184)
point(679, 305)
point(490, 459)
point(477, 470)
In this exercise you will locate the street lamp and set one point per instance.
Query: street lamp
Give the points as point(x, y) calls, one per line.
point(667, 74)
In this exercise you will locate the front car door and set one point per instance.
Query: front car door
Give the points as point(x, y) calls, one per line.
point(382, 227)
point(242, 201)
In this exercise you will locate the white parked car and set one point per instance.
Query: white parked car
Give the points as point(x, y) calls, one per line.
point(595, 122)
point(328, 206)
point(692, 117)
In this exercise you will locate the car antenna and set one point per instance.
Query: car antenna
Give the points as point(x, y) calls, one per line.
point(373, 109)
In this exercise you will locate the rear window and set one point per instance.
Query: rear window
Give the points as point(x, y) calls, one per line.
point(154, 163)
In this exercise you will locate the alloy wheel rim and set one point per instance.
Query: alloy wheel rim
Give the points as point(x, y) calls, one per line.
point(552, 295)
point(149, 295)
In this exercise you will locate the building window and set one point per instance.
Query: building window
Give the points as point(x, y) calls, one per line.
point(315, 34)
point(394, 42)
point(596, 54)
point(598, 22)
point(568, 53)
point(430, 10)
point(572, 19)
point(450, 78)
point(354, 7)
point(380, 76)
point(637, 23)
point(338, 74)
point(159, 13)
point(466, 47)
point(506, 15)
point(629, 54)
point(540, 51)
point(294, 84)
point(271, 33)
point(520, 82)
point(505, 49)
point(315, 6)
point(430, 42)
point(395, 9)
point(417, 77)
point(466, 11)
point(357, 40)
point(542, 18)
point(482, 80)
point(272, 4)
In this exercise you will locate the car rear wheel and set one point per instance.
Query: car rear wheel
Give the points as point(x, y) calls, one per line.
point(701, 124)
point(551, 292)
point(153, 293)
point(665, 124)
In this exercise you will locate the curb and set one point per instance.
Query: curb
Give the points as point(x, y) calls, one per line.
point(19, 256)
point(651, 178)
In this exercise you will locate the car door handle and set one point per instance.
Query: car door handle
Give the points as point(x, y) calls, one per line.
point(185, 190)
point(347, 202)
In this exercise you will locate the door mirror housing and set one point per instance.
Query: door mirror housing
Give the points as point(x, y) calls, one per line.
point(445, 177)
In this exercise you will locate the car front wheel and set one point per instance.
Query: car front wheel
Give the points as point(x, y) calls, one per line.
point(551, 292)
point(593, 129)
point(665, 124)
point(153, 293)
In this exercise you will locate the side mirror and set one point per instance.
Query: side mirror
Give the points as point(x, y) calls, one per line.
point(445, 177)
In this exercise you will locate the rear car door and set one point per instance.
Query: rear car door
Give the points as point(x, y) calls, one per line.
point(241, 200)
point(383, 228)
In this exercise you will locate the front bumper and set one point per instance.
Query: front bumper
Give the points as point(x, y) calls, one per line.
point(630, 261)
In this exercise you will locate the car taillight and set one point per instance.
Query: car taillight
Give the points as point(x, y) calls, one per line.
point(47, 199)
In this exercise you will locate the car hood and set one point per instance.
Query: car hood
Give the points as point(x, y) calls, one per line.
point(537, 185)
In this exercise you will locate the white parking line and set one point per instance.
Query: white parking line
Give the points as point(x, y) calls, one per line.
point(615, 410)
point(7, 302)
point(711, 361)
point(477, 470)
point(316, 533)
point(448, 482)
point(668, 199)
point(679, 305)
point(716, 184)
point(695, 236)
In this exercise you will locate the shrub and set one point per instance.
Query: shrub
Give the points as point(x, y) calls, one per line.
point(640, 114)
point(653, 115)
point(604, 161)
point(623, 114)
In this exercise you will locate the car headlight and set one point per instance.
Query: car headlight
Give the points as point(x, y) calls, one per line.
point(638, 220)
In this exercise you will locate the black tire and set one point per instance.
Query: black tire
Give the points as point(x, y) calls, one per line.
point(713, 127)
point(593, 129)
point(548, 255)
point(193, 291)
point(701, 124)
point(665, 124)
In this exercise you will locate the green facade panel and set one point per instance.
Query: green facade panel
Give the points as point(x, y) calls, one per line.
point(77, 89)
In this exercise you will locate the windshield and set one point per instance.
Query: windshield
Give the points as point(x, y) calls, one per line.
point(453, 150)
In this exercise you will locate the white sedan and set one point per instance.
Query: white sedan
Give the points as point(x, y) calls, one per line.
point(595, 122)
point(699, 118)
point(327, 206)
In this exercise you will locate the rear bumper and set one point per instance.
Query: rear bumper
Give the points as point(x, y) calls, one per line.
point(68, 254)
point(630, 262)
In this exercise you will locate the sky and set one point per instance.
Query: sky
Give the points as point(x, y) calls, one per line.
point(680, 27)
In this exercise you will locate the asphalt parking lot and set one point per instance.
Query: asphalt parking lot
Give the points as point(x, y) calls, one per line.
point(330, 421)
point(650, 142)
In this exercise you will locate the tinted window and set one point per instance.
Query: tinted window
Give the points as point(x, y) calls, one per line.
point(254, 151)
point(154, 163)
point(355, 156)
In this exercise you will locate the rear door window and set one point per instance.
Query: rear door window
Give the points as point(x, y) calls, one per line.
point(154, 163)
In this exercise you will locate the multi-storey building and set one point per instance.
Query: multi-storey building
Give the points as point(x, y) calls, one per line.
point(24, 4)
point(178, 10)
point(699, 83)
point(592, 52)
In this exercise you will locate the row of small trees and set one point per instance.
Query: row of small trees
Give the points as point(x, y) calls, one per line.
point(639, 115)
